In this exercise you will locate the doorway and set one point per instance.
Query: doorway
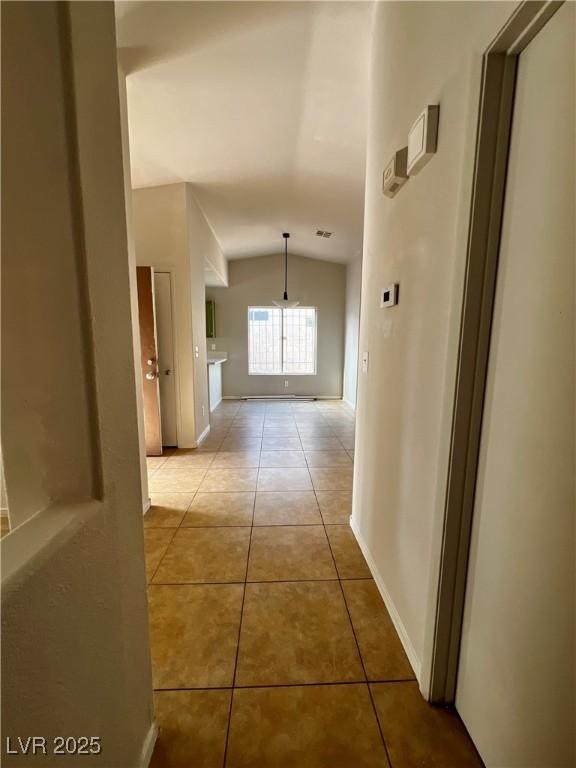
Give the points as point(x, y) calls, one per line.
point(504, 638)
point(149, 360)
point(155, 314)
point(166, 374)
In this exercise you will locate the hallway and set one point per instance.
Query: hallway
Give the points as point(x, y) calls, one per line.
point(271, 646)
point(325, 251)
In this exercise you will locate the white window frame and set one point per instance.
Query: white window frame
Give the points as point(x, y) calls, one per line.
point(282, 340)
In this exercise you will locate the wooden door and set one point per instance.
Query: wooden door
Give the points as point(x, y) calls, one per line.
point(149, 361)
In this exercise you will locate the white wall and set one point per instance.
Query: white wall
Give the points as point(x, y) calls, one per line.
point(133, 287)
point(352, 330)
point(423, 53)
point(257, 282)
point(263, 106)
point(4, 512)
point(24, 199)
point(171, 234)
point(215, 262)
point(161, 239)
point(202, 248)
point(75, 650)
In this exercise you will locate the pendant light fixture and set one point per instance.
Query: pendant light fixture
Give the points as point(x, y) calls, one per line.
point(285, 302)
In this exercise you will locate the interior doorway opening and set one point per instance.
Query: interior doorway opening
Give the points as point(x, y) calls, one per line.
point(156, 327)
point(507, 567)
point(166, 357)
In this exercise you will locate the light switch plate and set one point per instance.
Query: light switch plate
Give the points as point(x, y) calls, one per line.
point(389, 296)
point(395, 174)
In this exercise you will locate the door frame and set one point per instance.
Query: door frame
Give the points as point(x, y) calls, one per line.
point(170, 271)
point(149, 353)
point(499, 68)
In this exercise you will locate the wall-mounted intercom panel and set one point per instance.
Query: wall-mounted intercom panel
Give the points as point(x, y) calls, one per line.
point(423, 139)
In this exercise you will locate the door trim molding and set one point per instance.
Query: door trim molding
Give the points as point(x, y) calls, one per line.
point(489, 183)
point(171, 272)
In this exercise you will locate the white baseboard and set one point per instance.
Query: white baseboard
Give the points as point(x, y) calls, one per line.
point(349, 403)
point(147, 505)
point(148, 746)
point(203, 436)
point(286, 397)
point(415, 662)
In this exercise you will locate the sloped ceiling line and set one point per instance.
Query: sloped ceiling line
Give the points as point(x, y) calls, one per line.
point(262, 107)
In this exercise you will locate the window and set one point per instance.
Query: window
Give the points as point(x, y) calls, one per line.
point(281, 341)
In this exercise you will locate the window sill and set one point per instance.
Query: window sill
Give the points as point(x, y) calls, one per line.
point(286, 375)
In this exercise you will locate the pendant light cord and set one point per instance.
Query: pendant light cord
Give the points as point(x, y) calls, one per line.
point(285, 267)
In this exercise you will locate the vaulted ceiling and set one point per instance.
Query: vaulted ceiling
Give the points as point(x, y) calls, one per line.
point(261, 106)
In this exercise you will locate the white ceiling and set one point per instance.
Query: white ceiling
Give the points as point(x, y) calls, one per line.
point(262, 107)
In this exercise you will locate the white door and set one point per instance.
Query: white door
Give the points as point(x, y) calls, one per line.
point(165, 340)
point(516, 676)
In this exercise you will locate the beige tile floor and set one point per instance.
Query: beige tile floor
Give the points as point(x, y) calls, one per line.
point(271, 646)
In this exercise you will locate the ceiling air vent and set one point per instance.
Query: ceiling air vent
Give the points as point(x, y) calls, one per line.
point(323, 233)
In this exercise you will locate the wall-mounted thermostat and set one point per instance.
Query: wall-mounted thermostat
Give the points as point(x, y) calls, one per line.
point(423, 139)
point(395, 174)
point(389, 295)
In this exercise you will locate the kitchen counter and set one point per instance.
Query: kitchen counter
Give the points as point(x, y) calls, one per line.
point(215, 360)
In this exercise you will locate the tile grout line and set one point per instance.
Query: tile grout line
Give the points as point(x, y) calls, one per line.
point(225, 757)
point(319, 684)
point(234, 686)
point(261, 581)
point(175, 529)
point(356, 640)
point(367, 681)
point(265, 525)
point(241, 618)
point(149, 581)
